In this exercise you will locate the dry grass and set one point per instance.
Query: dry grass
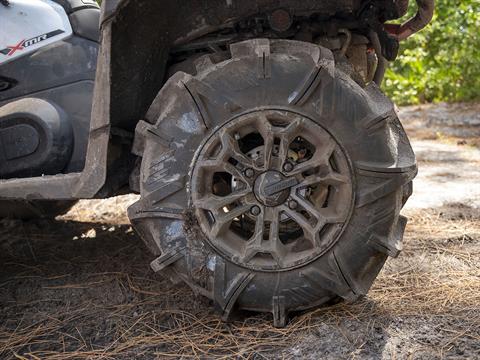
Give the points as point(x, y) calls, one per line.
point(439, 271)
point(81, 289)
point(93, 298)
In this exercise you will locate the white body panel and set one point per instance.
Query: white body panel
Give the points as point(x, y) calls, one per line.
point(28, 25)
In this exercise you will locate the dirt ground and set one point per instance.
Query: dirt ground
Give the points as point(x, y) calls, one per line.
point(80, 287)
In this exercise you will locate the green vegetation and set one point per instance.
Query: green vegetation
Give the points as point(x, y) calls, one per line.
point(441, 63)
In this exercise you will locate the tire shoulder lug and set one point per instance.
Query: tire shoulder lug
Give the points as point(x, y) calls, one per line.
point(373, 122)
point(167, 259)
point(279, 312)
point(248, 48)
point(163, 213)
point(153, 132)
point(306, 88)
point(320, 76)
point(160, 169)
point(199, 105)
point(303, 295)
point(165, 190)
point(202, 95)
point(138, 147)
point(264, 65)
point(333, 281)
point(392, 182)
point(260, 48)
point(172, 86)
point(203, 63)
point(390, 245)
point(349, 291)
point(226, 297)
point(239, 284)
point(377, 169)
point(198, 87)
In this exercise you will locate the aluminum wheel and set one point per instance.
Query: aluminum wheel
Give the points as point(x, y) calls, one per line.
point(271, 190)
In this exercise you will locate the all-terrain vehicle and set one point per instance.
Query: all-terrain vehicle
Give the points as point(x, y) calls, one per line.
point(272, 169)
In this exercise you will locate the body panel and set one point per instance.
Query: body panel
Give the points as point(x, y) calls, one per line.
point(29, 25)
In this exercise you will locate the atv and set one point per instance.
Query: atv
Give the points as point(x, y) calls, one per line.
point(271, 168)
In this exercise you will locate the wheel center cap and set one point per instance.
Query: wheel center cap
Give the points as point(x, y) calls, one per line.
point(272, 188)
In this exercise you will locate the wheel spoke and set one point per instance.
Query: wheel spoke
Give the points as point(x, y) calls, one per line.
point(275, 244)
point(219, 165)
point(222, 222)
point(309, 231)
point(274, 225)
point(315, 161)
point(320, 157)
point(299, 219)
point(231, 149)
point(312, 210)
point(286, 137)
point(336, 179)
point(323, 216)
point(331, 178)
point(268, 133)
point(214, 202)
point(259, 228)
point(331, 216)
point(254, 246)
point(236, 173)
point(212, 164)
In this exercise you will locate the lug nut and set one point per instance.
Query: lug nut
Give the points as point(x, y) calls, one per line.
point(288, 167)
point(249, 173)
point(255, 210)
point(292, 204)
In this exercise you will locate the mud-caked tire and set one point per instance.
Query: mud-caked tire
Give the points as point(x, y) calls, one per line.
point(272, 181)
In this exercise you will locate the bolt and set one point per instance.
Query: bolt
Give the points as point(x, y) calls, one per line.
point(292, 204)
point(249, 173)
point(288, 167)
point(255, 210)
point(280, 20)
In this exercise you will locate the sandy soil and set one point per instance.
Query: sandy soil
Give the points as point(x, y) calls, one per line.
point(80, 287)
point(446, 140)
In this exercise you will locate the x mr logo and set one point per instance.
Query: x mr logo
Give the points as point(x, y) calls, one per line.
point(12, 49)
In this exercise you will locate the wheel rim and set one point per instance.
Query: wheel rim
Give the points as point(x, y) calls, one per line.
point(271, 190)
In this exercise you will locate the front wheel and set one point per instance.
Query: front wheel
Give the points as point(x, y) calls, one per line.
point(271, 181)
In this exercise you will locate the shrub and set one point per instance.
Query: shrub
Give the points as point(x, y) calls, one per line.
point(442, 62)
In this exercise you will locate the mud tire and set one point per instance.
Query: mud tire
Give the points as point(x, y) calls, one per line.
point(293, 77)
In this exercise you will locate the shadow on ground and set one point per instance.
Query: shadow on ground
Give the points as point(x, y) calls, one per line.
point(71, 289)
point(82, 290)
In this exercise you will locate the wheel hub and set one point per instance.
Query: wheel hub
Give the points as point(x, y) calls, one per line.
point(271, 190)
